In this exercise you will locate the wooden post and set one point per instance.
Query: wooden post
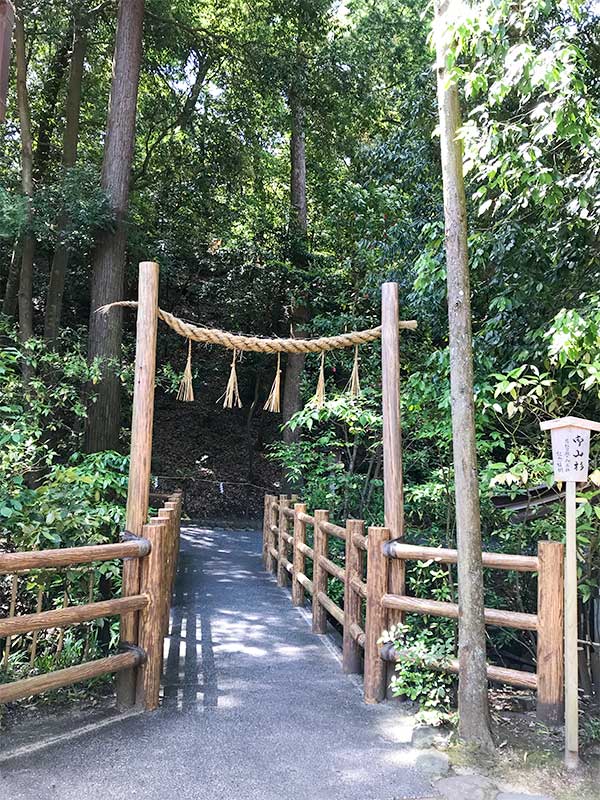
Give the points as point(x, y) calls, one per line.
point(167, 516)
point(392, 435)
point(266, 531)
point(571, 626)
point(319, 615)
point(351, 654)
point(269, 514)
point(392, 440)
point(175, 506)
point(282, 549)
point(299, 558)
point(377, 583)
point(151, 628)
point(550, 613)
point(275, 523)
point(141, 453)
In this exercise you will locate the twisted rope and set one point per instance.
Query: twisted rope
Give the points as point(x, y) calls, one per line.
point(257, 344)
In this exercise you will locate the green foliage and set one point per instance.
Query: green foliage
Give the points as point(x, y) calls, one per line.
point(51, 495)
point(337, 463)
point(72, 212)
point(415, 677)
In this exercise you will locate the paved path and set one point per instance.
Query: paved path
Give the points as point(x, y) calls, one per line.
point(255, 707)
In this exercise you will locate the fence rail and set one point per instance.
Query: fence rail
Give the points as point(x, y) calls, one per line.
point(366, 580)
point(157, 552)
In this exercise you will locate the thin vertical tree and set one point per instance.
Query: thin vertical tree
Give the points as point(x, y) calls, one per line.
point(60, 259)
point(474, 717)
point(7, 21)
point(108, 269)
point(298, 237)
point(28, 241)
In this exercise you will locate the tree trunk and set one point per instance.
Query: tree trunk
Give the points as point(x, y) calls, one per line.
point(28, 251)
point(474, 724)
point(49, 96)
point(60, 260)
point(9, 303)
point(298, 255)
point(108, 268)
point(7, 21)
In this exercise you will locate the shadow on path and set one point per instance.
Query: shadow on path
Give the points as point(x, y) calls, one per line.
point(255, 706)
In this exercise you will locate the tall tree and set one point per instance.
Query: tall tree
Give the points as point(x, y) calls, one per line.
point(108, 269)
point(28, 246)
point(48, 99)
point(9, 302)
point(298, 227)
point(60, 259)
point(7, 21)
point(474, 724)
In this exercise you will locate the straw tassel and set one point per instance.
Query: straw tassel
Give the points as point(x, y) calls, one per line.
point(320, 393)
point(273, 403)
point(186, 390)
point(354, 382)
point(232, 395)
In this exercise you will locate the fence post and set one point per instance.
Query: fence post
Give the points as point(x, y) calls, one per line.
point(167, 515)
point(550, 648)
point(282, 549)
point(176, 506)
point(319, 617)
point(351, 653)
point(377, 582)
point(151, 627)
point(266, 532)
point(299, 558)
point(274, 523)
point(270, 537)
point(141, 453)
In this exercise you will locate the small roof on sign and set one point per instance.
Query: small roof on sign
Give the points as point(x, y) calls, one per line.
point(570, 422)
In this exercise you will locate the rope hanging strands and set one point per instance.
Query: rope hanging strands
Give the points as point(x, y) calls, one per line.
point(186, 390)
point(232, 394)
point(319, 397)
point(273, 401)
point(354, 382)
point(257, 344)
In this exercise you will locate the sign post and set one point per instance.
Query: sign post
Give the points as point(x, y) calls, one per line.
point(570, 457)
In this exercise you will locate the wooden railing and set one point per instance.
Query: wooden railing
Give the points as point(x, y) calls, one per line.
point(367, 580)
point(157, 553)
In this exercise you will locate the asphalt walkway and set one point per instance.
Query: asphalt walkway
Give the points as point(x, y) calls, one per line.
point(255, 707)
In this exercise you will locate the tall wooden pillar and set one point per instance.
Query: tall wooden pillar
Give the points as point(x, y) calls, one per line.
point(141, 453)
point(392, 440)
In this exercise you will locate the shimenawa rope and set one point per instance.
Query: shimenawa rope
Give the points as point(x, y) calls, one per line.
point(258, 344)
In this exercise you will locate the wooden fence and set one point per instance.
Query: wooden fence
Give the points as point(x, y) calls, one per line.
point(366, 578)
point(156, 552)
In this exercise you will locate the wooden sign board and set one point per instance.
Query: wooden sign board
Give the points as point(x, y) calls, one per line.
point(570, 447)
point(570, 455)
point(7, 21)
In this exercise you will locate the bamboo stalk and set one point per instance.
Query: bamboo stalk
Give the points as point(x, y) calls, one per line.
point(34, 637)
point(61, 631)
point(86, 647)
point(11, 613)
